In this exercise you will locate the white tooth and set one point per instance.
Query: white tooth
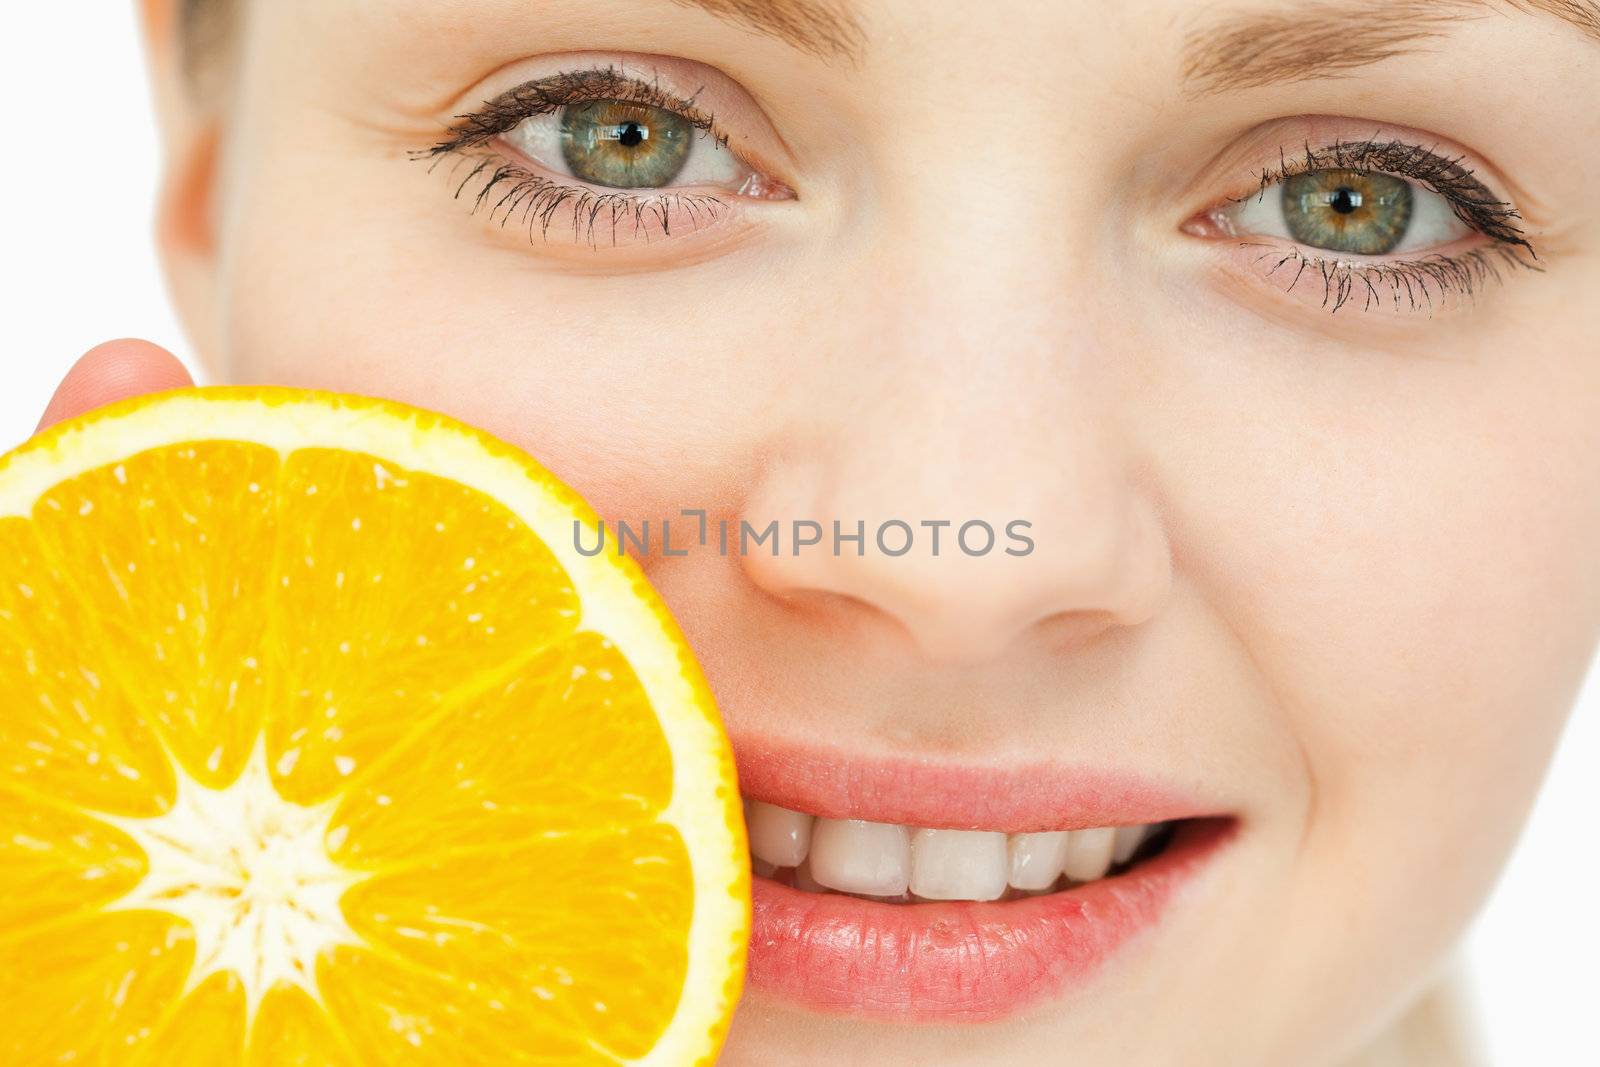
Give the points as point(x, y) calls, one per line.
point(1089, 853)
point(1129, 838)
point(958, 864)
point(761, 868)
point(855, 856)
point(1035, 859)
point(778, 835)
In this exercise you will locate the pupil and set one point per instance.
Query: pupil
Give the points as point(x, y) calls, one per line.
point(1345, 201)
point(631, 135)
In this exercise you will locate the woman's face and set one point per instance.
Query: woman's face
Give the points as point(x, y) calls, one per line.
point(1227, 304)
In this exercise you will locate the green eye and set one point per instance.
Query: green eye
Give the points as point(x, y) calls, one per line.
point(624, 145)
point(1350, 211)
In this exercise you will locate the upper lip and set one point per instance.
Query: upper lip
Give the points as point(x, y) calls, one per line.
point(936, 792)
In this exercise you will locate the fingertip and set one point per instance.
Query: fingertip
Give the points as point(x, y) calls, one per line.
point(114, 371)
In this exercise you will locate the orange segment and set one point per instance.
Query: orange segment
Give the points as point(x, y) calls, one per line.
point(206, 1027)
point(444, 789)
point(405, 1016)
point(292, 1030)
point(67, 731)
point(329, 748)
point(87, 988)
point(401, 586)
point(592, 930)
point(55, 861)
point(136, 539)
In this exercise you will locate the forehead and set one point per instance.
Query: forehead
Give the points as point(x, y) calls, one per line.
point(1240, 45)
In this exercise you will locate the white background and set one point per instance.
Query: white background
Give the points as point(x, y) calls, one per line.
point(77, 187)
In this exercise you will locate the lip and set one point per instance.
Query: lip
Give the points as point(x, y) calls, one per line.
point(1018, 798)
point(959, 961)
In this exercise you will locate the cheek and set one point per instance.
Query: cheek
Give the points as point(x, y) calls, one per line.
point(1404, 550)
point(1437, 628)
point(1411, 563)
point(624, 386)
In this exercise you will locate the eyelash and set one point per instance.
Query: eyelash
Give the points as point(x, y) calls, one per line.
point(1409, 280)
point(535, 198)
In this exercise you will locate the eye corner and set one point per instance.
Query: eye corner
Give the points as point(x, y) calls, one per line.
point(1210, 224)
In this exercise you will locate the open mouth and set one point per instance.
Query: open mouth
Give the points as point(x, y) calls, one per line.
point(899, 864)
point(915, 890)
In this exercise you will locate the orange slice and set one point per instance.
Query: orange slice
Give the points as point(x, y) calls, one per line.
point(322, 744)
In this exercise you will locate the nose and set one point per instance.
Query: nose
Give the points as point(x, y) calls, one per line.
point(993, 499)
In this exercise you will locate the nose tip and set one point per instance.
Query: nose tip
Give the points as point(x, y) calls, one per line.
point(951, 613)
point(959, 606)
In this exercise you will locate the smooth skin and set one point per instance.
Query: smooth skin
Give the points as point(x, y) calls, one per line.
point(1333, 572)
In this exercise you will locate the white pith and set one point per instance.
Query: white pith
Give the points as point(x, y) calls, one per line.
point(909, 863)
point(617, 602)
point(250, 873)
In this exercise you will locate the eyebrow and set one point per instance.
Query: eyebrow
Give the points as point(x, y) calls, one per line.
point(819, 27)
point(1322, 39)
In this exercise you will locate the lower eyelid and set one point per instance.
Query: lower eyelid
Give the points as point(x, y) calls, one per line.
point(1393, 287)
point(520, 198)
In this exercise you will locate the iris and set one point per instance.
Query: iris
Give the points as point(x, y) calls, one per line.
point(624, 145)
point(1362, 213)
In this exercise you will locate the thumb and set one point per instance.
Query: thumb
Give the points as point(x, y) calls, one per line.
point(114, 371)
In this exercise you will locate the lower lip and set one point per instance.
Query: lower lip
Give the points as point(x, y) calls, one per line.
point(960, 961)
